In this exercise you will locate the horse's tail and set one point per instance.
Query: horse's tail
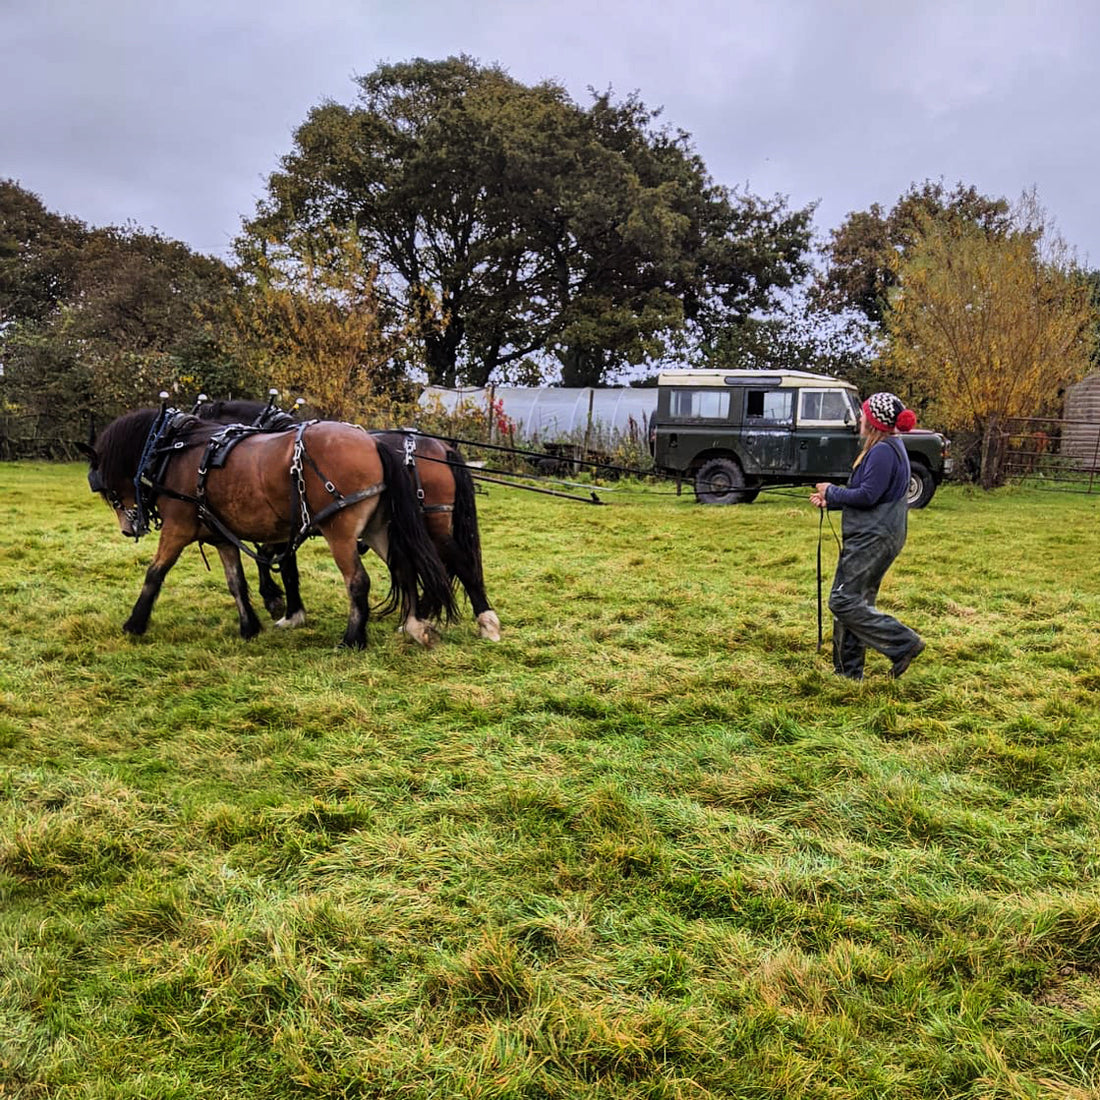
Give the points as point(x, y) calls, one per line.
point(417, 573)
point(464, 526)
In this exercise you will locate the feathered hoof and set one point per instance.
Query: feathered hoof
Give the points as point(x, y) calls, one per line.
point(421, 631)
point(297, 619)
point(488, 626)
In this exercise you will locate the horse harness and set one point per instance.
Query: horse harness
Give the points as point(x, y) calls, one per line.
point(168, 437)
point(414, 470)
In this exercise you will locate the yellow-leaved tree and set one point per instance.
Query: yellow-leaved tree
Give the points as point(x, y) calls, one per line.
point(311, 323)
point(986, 326)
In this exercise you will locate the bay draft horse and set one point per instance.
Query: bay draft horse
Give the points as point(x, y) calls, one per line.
point(440, 474)
point(155, 465)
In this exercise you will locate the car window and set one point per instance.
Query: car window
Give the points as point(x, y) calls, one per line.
point(774, 406)
point(700, 404)
point(823, 406)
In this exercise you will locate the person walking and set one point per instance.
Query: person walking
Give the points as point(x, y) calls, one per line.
point(874, 523)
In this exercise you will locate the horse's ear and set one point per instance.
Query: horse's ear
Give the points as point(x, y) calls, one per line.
point(89, 451)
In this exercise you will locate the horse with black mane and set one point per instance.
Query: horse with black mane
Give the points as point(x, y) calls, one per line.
point(444, 488)
point(226, 486)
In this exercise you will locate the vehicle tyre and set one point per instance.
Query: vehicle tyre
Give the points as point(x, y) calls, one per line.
point(921, 485)
point(721, 481)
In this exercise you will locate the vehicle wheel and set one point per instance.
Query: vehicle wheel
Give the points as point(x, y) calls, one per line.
point(921, 485)
point(720, 481)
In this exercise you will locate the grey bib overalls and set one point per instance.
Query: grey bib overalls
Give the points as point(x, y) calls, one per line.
point(873, 538)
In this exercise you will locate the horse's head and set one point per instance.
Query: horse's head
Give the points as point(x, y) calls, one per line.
point(120, 498)
point(113, 466)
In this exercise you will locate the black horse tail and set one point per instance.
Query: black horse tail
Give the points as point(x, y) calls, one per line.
point(464, 526)
point(418, 577)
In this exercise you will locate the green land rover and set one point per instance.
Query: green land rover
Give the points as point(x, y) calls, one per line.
point(734, 432)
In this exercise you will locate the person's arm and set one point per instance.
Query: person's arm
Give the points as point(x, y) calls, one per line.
point(876, 472)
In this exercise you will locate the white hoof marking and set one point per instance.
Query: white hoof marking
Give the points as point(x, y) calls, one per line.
point(488, 626)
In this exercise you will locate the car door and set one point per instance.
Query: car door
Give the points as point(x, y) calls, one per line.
point(766, 438)
point(826, 433)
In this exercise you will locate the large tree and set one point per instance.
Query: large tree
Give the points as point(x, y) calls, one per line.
point(99, 320)
point(39, 255)
point(987, 326)
point(509, 223)
point(861, 257)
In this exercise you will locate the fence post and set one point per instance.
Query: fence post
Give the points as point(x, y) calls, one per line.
point(1095, 455)
point(587, 429)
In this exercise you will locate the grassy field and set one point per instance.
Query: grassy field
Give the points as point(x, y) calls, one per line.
point(646, 846)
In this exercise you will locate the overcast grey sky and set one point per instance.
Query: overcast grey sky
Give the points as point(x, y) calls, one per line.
point(171, 113)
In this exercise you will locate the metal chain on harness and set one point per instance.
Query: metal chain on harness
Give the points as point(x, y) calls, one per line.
point(410, 460)
point(298, 479)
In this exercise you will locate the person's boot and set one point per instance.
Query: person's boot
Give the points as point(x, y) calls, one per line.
point(907, 658)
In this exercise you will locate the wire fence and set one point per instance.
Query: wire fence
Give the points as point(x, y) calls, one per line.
point(1052, 453)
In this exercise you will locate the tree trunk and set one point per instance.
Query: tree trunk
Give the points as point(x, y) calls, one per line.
point(991, 472)
point(581, 366)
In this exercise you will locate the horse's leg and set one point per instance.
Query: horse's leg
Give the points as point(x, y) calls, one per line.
point(345, 553)
point(168, 551)
point(420, 630)
point(295, 613)
point(469, 575)
point(270, 592)
point(238, 589)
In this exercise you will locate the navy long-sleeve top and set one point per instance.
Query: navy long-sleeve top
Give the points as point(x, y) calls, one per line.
point(882, 477)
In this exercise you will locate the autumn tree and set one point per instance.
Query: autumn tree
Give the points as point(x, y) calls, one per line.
point(862, 254)
point(989, 326)
point(510, 225)
point(312, 323)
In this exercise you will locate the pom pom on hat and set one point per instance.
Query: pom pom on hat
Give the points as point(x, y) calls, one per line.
point(886, 411)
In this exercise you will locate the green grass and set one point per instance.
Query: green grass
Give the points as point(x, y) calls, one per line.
point(646, 846)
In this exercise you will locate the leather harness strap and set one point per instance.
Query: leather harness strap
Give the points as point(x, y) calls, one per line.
point(410, 461)
point(162, 446)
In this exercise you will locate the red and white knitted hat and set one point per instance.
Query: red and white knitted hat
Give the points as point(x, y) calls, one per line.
point(887, 411)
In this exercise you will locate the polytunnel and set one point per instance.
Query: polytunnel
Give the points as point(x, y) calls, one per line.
point(549, 413)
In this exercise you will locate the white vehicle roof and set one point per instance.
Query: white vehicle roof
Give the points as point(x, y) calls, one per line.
point(793, 378)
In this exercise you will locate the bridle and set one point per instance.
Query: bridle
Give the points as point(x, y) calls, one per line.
point(135, 517)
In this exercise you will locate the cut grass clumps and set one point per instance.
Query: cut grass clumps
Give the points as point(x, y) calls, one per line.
point(645, 846)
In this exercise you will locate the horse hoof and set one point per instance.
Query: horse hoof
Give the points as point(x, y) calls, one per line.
point(297, 619)
point(421, 631)
point(488, 626)
point(276, 609)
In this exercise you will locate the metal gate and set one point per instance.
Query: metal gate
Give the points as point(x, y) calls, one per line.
point(1052, 453)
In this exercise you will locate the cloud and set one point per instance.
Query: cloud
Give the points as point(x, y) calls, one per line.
point(173, 114)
